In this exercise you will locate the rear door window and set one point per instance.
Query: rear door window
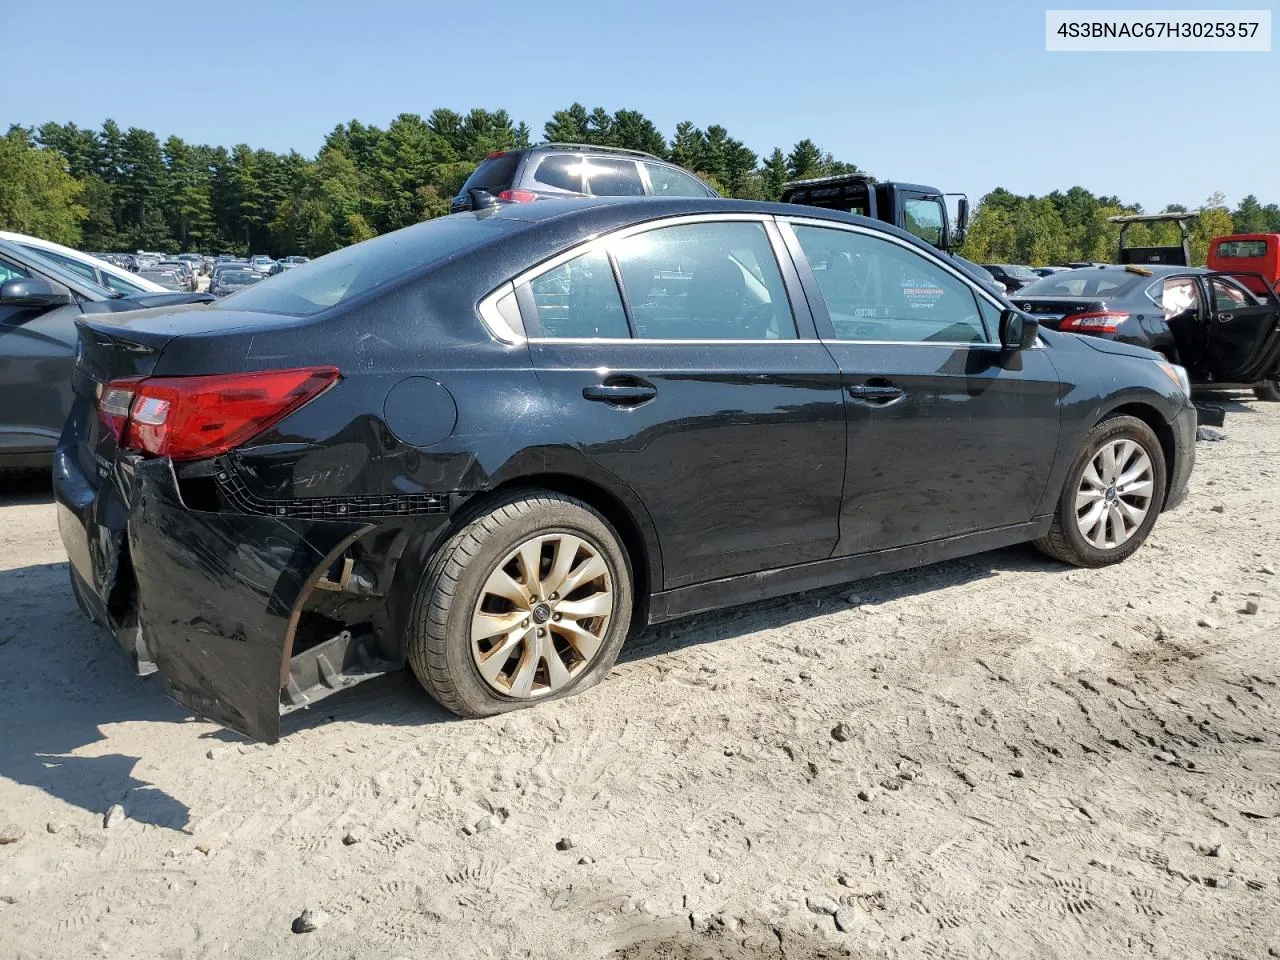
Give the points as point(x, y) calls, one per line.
point(580, 300)
point(1177, 296)
point(121, 286)
point(613, 177)
point(705, 281)
point(561, 172)
point(669, 182)
point(1228, 296)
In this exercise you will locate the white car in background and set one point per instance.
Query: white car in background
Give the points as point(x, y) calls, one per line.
point(91, 268)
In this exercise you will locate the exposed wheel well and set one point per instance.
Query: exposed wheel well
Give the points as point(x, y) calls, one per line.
point(611, 509)
point(1163, 431)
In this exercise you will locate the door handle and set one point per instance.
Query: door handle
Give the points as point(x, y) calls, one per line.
point(876, 396)
point(1226, 317)
point(620, 394)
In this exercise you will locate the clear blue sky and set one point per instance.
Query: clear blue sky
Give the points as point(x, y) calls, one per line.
point(960, 95)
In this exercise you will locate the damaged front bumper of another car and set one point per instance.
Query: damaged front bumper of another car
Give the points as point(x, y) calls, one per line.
point(212, 600)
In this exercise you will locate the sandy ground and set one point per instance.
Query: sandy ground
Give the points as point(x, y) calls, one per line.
point(1034, 762)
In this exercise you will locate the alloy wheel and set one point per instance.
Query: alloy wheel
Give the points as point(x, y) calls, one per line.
point(1115, 494)
point(542, 615)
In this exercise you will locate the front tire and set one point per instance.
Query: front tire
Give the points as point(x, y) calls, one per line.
point(529, 601)
point(1113, 494)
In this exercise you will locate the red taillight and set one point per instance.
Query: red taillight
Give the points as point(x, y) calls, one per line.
point(192, 418)
point(1102, 321)
point(517, 196)
point(493, 154)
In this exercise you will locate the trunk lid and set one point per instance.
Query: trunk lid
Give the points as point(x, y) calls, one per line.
point(1049, 311)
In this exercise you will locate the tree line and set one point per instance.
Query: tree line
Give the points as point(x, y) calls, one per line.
point(1074, 225)
point(114, 189)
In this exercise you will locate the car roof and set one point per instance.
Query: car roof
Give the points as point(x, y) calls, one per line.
point(637, 209)
point(555, 146)
point(1154, 269)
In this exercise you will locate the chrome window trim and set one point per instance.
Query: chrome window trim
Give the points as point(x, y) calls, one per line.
point(604, 241)
point(501, 332)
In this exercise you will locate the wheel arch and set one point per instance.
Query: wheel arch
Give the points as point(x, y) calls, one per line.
point(630, 519)
point(613, 501)
point(1153, 418)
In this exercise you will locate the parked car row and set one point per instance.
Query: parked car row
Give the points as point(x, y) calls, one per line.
point(191, 264)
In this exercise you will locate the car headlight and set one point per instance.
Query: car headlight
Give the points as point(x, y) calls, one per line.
point(1178, 375)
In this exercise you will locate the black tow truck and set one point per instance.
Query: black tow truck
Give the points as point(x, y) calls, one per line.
point(1178, 255)
point(914, 207)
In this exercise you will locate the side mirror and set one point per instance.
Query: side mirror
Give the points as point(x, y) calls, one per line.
point(481, 198)
point(962, 218)
point(1017, 330)
point(33, 293)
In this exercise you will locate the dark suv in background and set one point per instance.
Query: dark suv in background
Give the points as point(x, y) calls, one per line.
point(574, 170)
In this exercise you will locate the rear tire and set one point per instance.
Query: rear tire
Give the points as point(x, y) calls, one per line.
point(1269, 390)
point(486, 637)
point(1113, 494)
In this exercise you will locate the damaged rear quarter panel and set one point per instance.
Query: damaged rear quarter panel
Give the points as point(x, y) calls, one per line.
point(216, 593)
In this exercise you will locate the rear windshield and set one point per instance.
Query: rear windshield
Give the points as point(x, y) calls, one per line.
point(1242, 249)
point(348, 273)
point(494, 174)
point(1085, 283)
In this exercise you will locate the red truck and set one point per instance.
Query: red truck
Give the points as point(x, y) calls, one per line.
point(1254, 258)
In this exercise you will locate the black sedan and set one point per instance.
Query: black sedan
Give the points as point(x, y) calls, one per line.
point(488, 445)
point(1210, 323)
point(40, 302)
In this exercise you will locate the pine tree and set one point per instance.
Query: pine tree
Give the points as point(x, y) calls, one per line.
point(687, 146)
point(567, 126)
point(775, 175)
point(804, 160)
point(1250, 217)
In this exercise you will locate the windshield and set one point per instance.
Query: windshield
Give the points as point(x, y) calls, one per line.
point(1085, 283)
point(348, 273)
point(238, 276)
point(1022, 273)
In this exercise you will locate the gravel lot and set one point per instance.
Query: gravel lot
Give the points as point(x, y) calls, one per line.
point(992, 757)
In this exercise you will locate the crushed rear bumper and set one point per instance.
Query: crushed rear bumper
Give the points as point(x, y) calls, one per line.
point(210, 600)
